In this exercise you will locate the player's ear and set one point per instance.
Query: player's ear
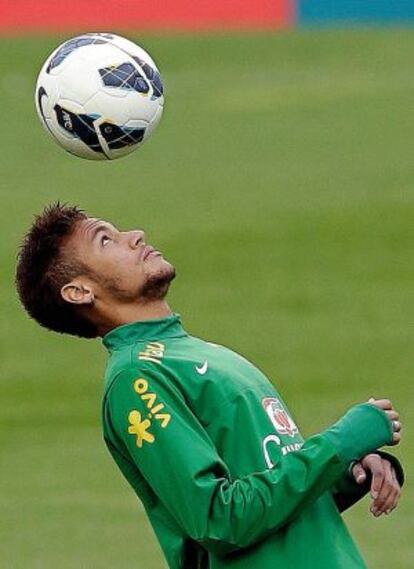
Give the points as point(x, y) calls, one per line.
point(77, 292)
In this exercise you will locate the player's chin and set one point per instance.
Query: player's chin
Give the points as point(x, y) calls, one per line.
point(169, 270)
point(157, 281)
point(157, 265)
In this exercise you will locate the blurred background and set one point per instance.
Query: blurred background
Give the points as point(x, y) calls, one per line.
point(279, 182)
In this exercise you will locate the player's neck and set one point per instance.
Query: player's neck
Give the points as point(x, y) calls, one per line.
point(125, 314)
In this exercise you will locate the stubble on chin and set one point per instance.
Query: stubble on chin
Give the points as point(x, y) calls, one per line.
point(157, 284)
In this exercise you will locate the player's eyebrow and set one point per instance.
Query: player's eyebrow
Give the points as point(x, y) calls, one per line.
point(99, 228)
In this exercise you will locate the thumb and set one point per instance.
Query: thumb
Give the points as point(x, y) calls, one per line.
point(359, 473)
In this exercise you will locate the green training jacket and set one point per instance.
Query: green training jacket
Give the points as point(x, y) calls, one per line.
point(211, 450)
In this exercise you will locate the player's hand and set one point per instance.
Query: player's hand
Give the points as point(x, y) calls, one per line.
point(385, 489)
point(393, 416)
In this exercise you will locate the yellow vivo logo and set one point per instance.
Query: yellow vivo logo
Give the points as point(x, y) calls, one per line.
point(139, 425)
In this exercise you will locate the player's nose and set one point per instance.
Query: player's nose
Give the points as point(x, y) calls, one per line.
point(136, 238)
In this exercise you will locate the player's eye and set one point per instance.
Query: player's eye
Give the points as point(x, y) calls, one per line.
point(105, 240)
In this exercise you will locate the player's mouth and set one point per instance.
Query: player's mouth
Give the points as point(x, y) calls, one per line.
point(149, 252)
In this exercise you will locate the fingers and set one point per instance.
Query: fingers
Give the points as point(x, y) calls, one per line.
point(396, 439)
point(397, 493)
point(396, 428)
point(359, 473)
point(396, 425)
point(385, 488)
point(384, 404)
point(393, 416)
point(374, 463)
point(388, 494)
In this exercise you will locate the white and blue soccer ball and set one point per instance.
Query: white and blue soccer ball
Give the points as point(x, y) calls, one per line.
point(100, 96)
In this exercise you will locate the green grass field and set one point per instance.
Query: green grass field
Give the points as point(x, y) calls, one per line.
point(280, 183)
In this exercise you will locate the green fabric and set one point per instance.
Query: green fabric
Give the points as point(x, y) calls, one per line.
point(352, 435)
point(210, 449)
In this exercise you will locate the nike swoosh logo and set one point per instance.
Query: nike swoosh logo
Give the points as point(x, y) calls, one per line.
point(202, 369)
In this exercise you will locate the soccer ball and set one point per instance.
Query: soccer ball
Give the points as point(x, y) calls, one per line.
point(100, 96)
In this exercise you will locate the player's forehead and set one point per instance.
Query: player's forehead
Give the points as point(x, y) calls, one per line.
point(85, 233)
point(88, 227)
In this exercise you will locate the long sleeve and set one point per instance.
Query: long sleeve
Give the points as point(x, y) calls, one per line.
point(158, 432)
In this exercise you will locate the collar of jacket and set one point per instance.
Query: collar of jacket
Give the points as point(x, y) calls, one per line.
point(144, 330)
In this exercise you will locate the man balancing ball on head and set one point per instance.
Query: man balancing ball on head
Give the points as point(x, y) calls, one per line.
point(202, 436)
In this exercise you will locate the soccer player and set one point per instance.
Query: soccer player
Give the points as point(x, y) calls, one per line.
point(202, 436)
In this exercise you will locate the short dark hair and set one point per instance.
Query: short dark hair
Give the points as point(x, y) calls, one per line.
point(43, 268)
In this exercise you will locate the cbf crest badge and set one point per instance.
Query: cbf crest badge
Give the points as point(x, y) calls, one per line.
point(280, 419)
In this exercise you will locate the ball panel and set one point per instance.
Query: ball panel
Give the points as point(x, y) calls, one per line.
point(154, 123)
point(108, 108)
point(75, 131)
point(124, 76)
point(69, 47)
point(79, 81)
point(79, 126)
point(130, 48)
point(144, 60)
